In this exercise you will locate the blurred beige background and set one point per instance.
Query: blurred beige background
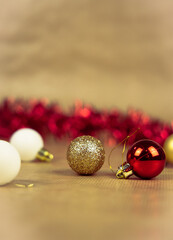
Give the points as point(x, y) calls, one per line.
point(106, 53)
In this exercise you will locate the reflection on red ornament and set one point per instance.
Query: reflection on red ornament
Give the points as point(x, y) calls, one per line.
point(146, 159)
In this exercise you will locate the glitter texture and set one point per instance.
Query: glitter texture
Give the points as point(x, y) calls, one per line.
point(85, 155)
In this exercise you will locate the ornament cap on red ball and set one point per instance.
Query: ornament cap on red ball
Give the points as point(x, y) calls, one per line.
point(145, 159)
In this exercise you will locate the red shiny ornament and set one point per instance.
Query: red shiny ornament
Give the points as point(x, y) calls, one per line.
point(146, 159)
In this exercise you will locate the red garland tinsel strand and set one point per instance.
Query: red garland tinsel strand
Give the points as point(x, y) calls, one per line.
point(49, 118)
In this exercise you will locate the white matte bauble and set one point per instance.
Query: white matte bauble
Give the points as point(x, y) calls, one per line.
point(28, 142)
point(10, 162)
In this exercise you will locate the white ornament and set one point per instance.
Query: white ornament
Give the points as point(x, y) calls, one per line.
point(9, 162)
point(28, 142)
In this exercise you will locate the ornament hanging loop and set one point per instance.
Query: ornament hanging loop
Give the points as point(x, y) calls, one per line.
point(125, 170)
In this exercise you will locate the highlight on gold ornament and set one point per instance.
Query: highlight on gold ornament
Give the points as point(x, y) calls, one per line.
point(85, 155)
point(145, 159)
point(168, 147)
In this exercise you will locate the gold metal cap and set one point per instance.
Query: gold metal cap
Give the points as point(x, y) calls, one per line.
point(124, 171)
point(44, 155)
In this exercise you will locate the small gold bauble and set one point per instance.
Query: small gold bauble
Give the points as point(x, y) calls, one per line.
point(168, 147)
point(85, 155)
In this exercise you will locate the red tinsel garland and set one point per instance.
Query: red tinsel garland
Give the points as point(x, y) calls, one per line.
point(49, 118)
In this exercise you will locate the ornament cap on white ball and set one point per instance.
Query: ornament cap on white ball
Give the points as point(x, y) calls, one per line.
point(10, 162)
point(30, 145)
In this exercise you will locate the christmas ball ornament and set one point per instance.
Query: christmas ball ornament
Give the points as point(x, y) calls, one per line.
point(145, 159)
point(168, 147)
point(29, 144)
point(10, 162)
point(85, 155)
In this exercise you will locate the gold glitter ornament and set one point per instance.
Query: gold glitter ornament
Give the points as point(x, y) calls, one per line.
point(168, 147)
point(85, 155)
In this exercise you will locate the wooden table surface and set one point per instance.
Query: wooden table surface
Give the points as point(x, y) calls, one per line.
point(64, 205)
